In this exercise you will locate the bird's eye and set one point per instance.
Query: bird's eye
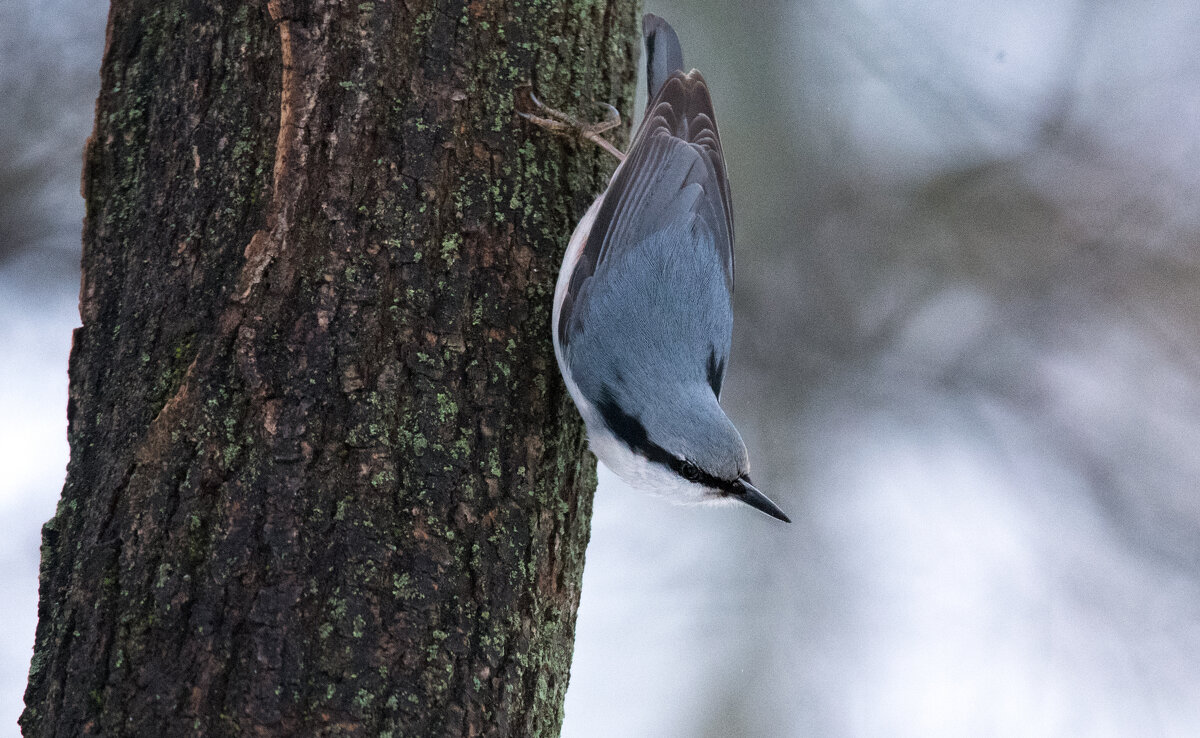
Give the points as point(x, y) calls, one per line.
point(690, 471)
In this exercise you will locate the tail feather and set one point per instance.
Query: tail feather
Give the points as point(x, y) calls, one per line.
point(663, 53)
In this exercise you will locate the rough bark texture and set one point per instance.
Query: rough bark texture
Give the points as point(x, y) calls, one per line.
point(324, 477)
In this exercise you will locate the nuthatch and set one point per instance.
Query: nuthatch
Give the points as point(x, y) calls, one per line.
point(643, 313)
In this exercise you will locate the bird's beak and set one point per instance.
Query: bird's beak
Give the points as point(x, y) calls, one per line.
point(759, 501)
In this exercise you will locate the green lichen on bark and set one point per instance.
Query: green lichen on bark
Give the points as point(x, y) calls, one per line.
point(324, 479)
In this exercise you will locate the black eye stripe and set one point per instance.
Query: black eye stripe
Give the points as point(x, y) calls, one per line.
point(693, 473)
point(630, 429)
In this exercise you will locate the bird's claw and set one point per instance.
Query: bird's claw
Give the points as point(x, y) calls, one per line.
point(535, 111)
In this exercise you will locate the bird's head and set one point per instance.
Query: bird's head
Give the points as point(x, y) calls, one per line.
point(683, 447)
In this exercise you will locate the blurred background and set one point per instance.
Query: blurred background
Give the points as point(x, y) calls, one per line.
point(966, 363)
point(49, 76)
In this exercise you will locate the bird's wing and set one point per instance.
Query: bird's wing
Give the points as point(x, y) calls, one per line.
point(674, 174)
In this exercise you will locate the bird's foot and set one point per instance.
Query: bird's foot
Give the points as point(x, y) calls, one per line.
point(533, 110)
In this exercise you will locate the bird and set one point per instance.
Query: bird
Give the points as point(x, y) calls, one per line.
point(643, 305)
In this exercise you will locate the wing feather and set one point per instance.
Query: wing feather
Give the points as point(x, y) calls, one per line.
point(674, 172)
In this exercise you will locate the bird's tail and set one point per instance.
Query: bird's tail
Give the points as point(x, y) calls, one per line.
point(663, 53)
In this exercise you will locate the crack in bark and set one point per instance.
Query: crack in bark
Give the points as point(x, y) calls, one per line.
point(304, 72)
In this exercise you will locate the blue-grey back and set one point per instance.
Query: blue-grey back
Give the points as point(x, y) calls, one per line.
point(655, 318)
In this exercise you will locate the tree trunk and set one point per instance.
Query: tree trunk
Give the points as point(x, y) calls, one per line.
point(324, 477)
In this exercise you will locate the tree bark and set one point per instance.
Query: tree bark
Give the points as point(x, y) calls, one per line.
point(324, 477)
